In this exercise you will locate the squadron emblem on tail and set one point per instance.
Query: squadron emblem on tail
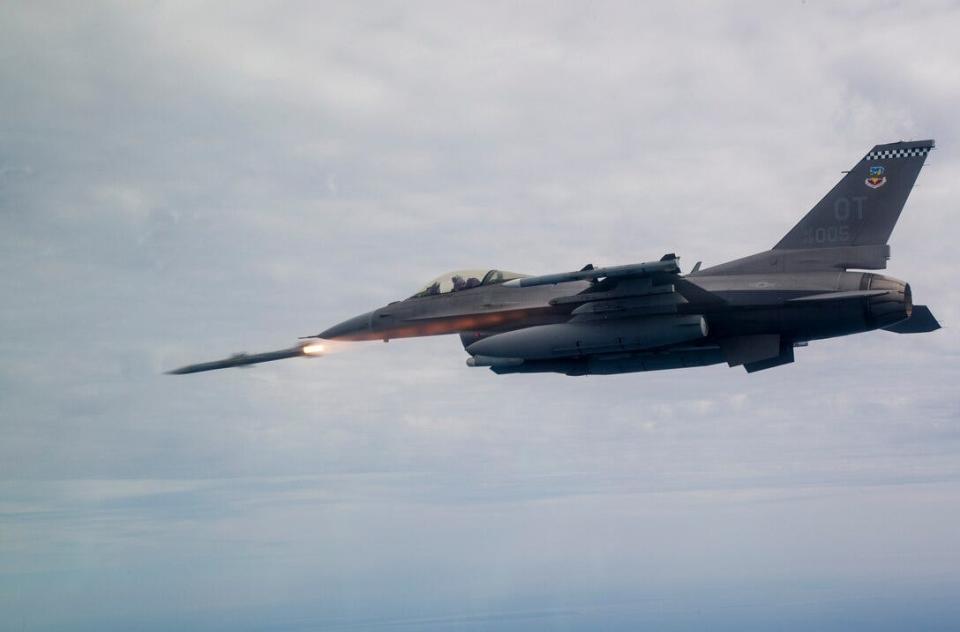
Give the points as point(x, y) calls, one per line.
point(876, 179)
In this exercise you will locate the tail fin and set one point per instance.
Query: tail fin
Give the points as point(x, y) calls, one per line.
point(862, 209)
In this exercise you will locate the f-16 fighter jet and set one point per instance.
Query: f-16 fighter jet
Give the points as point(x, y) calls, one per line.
point(750, 312)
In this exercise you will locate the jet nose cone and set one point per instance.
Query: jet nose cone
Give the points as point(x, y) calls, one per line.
point(356, 328)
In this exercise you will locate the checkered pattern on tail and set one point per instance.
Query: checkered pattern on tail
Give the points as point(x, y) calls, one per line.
point(897, 153)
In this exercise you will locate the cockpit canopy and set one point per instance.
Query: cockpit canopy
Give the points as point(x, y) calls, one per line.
point(460, 280)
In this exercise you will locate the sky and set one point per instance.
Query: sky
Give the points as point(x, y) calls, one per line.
point(184, 180)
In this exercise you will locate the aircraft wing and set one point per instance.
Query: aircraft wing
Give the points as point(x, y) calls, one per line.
point(640, 289)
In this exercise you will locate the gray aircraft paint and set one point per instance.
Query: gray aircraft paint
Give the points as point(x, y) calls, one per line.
point(749, 312)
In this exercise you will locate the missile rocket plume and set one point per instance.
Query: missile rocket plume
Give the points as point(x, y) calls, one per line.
point(314, 349)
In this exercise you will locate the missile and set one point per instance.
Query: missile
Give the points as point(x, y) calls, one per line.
point(667, 265)
point(307, 349)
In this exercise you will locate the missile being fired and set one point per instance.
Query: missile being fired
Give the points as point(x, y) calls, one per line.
point(308, 349)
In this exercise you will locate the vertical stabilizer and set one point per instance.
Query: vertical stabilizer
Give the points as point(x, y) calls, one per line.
point(863, 208)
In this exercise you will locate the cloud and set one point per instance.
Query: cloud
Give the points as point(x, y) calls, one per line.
point(184, 181)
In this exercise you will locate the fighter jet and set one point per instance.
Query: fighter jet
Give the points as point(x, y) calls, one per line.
point(750, 312)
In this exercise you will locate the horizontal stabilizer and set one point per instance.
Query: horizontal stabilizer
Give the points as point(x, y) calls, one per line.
point(921, 321)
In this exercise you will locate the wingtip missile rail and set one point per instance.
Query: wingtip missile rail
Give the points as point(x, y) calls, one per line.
point(668, 265)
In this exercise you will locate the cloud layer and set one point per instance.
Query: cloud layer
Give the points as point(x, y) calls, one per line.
point(188, 180)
